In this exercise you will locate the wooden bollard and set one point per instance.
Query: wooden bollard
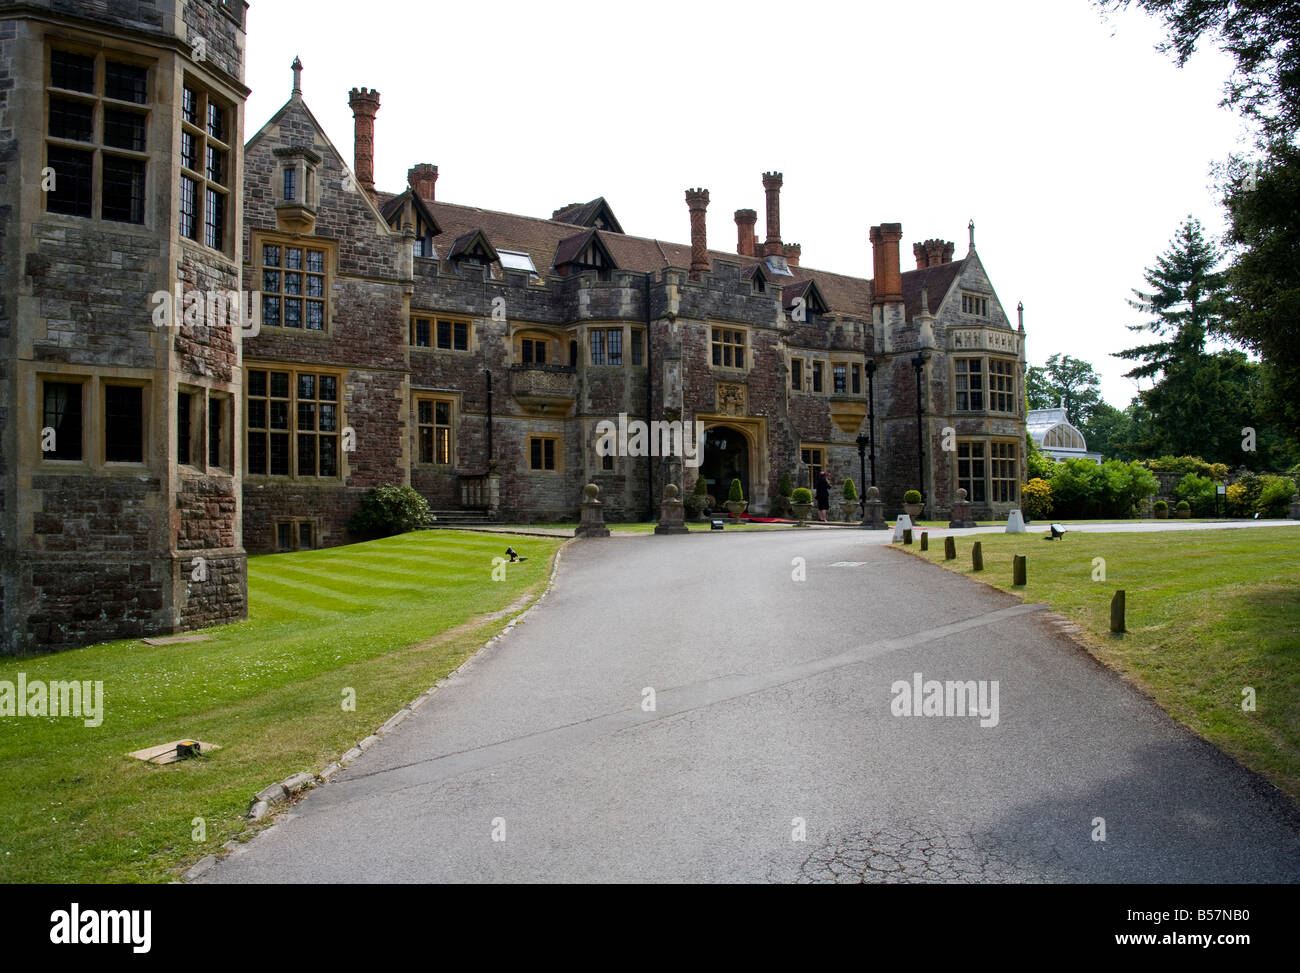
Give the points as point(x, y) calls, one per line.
point(1117, 612)
point(1018, 571)
point(907, 535)
point(976, 557)
point(950, 548)
point(925, 540)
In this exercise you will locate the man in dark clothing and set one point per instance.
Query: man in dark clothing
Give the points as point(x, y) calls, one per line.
point(823, 487)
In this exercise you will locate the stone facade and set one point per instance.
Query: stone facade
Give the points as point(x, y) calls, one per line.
point(108, 534)
point(402, 339)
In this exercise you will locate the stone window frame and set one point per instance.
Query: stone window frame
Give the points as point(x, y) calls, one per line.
point(257, 268)
point(814, 469)
point(637, 347)
point(530, 333)
point(225, 461)
point(997, 452)
point(294, 370)
point(605, 345)
point(452, 401)
point(99, 102)
point(975, 304)
point(146, 419)
point(200, 174)
point(797, 381)
point(557, 455)
point(295, 525)
point(986, 389)
point(435, 318)
point(82, 381)
point(721, 340)
point(202, 399)
point(94, 419)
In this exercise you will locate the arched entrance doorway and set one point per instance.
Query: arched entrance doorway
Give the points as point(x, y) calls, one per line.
point(726, 458)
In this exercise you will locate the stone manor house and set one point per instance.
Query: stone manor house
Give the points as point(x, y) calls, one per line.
point(147, 444)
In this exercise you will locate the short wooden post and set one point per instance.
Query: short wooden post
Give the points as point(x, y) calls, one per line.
point(950, 548)
point(1117, 612)
point(976, 557)
point(907, 535)
point(925, 540)
point(1018, 571)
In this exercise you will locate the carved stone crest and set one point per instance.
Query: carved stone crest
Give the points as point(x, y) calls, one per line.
point(731, 398)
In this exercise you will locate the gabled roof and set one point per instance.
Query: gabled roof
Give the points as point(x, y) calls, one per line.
point(390, 206)
point(473, 244)
point(569, 250)
point(937, 281)
point(597, 214)
point(814, 303)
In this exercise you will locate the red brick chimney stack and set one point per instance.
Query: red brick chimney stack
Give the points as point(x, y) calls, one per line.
point(791, 253)
point(422, 178)
point(697, 200)
point(365, 105)
point(932, 253)
point(745, 236)
point(922, 258)
point(772, 186)
point(887, 281)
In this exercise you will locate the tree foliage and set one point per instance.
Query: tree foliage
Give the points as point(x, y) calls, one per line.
point(1068, 379)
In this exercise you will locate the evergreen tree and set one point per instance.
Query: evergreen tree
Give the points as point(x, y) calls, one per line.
point(1065, 378)
point(1186, 301)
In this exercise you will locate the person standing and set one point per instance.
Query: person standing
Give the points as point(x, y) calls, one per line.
point(823, 490)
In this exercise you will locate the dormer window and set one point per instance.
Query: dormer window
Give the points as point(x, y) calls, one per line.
point(582, 253)
point(296, 202)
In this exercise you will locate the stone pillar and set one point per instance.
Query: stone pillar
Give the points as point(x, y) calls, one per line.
point(1295, 507)
point(873, 511)
point(671, 518)
point(365, 105)
point(772, 186)
point(592, 521)
point(697, 200)
point(961, 511)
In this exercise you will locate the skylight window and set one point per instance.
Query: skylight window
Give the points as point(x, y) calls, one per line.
point(516, 260)
point(777, 265)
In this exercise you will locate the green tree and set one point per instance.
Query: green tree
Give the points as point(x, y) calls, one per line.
point(1068, 379)
point(1185, 303)
point(1107, 431)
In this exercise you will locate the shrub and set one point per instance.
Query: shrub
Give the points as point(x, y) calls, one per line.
point(1198, 491)
point(387, 510)
point(735, 494)
point(1081, 488)
point(1036, 498)
point(779, 507)
point(850, 490)
point(1188, 464)
point(802, 495)
point(1038, 464)
point(1242, 496)
point(912, 496)
point(786, 487)
point(1184, 505)
point(1160, 505)
point(1274, 495)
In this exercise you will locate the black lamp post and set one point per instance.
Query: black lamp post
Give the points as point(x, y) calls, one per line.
point(871, 416)
point(491, 462)
point(918, 363)
point(862, 461)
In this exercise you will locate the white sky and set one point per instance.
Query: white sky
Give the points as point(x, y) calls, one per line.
point(1073, 144)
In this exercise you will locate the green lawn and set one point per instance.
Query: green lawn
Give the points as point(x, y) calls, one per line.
point(1209, 613)
point(386, 619)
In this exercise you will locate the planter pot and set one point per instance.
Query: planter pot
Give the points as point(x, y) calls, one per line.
point(737, 507)
point(1184, 514)
point(802, 512)
point(849, 511)
point(1162, 515)
point(912, 510)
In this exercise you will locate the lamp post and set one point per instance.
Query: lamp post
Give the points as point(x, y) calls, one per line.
point(491, 462)
point(862, 462)
point(871, 418)
point(918, 363)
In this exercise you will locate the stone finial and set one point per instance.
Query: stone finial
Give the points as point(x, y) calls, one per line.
point(971, 227)
point(297, 76)
point(1020, 314)
point(591, 522)
point(873, 493)
point(961, 495)
point(670, 491)
point(591, 491)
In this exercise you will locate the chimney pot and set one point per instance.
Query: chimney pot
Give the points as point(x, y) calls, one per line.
point(365, 105)
point(745, 236)
point(887, 282)
point(697, 201)
point(772, 187)
point(791, 253)
point(422, 178)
